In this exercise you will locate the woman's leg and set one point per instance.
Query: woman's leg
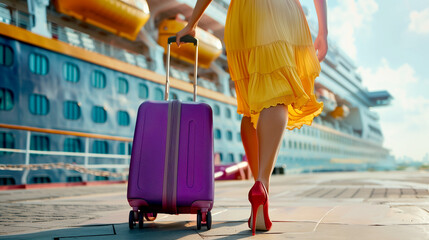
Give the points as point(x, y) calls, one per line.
point(250, 144)
point(271, 126)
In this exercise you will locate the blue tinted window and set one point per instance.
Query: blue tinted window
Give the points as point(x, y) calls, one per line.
point(74, 179)
point(122, 85)
point(73, 145)
point(123, 118)
point(143, 91)
point(228, 113)
point(71, 72)
point(230, 158)
point(71, 110)
point(174, 96)
point(221, 156)
point(41, 180)
point(38, 64)
point(99, 115)
point(159, 94)
point(100, 147)
point(218, 134)
point(7, 140)
point(98, 79)
point(40, 143)
point(7, 181)
point(216, 110)
point(238, 137)
point(6, 99)
point(38, 104)
point(229, 135)
point(122, 148)
point(6, 55)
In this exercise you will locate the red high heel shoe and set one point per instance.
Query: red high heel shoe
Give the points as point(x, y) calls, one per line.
point(259, 218)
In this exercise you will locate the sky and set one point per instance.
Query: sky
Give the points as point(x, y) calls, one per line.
point(388, 42)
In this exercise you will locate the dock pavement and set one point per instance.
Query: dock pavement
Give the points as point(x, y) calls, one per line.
point(345, 205)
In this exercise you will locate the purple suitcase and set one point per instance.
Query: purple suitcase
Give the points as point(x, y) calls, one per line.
point(171, 167)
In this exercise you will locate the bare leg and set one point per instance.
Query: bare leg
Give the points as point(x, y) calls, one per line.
point(271, 126)
point(250, 143)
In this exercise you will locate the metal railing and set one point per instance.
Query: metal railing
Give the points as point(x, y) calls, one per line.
point(85, 168)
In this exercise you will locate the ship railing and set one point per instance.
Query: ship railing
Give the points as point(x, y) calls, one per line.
point(85, 168)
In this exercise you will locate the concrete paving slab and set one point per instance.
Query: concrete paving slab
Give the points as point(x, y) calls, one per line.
point(388, 205)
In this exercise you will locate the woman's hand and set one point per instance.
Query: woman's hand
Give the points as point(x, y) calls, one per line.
point(185, 31)
point(321, 46)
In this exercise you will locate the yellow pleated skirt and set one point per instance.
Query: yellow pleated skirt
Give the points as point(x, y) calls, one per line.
point(271, 59)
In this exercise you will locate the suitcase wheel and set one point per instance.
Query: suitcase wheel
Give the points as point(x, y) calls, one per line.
point(141, 220)
point(204, 219)
point(150, 216)
point(131, 222)
point(199, 218)
point(209, 220)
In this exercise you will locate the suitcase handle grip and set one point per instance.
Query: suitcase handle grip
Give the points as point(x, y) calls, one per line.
point(190, 39)
point(186, 39)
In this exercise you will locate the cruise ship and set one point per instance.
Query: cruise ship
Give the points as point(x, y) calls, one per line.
point(74, 72)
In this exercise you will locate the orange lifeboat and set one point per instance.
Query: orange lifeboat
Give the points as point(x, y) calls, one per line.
point(340, 112)
point(209, 48)
point(124, 18)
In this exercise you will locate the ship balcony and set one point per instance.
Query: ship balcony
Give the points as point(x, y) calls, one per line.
point(379, 98)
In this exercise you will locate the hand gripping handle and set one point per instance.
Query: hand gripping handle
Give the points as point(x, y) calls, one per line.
point(186, 39)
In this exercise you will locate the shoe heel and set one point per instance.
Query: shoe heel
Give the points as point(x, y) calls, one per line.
point(254, 214)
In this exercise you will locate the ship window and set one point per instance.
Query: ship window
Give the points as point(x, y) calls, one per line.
point(191, 99)
point(71, 110)
point(6, 141)
point(241, 157)
point(100, 147)
point(6, 99)
point(174, 96)
point(229, 135)
point(218, 134)
point(101, 178)
point(221, 156)
point(6, 55)
point(294, 144)
point(216, 110)
point(74, 179)
point(290, 144)
point(39, 104)
point(159, 94)
point(143, 91)
point(98, 79)
point(228, 113)
point(73, 145)
point(238, 137)
point(284, 143)
point(239, 116)
point(38, 64)
point(40, 143)
point(230, 157)
point(99, 115)
point(122, 148)
point(71, 72)
point(122, 85)
point(123, 118)
point(41, 180)
point(7, 181)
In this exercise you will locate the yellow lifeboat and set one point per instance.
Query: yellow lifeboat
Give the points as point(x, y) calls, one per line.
point(340, 112)
point(209, 48)
point(124, 18)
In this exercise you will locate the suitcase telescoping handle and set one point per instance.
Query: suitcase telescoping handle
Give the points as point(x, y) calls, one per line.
point(186, 39)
